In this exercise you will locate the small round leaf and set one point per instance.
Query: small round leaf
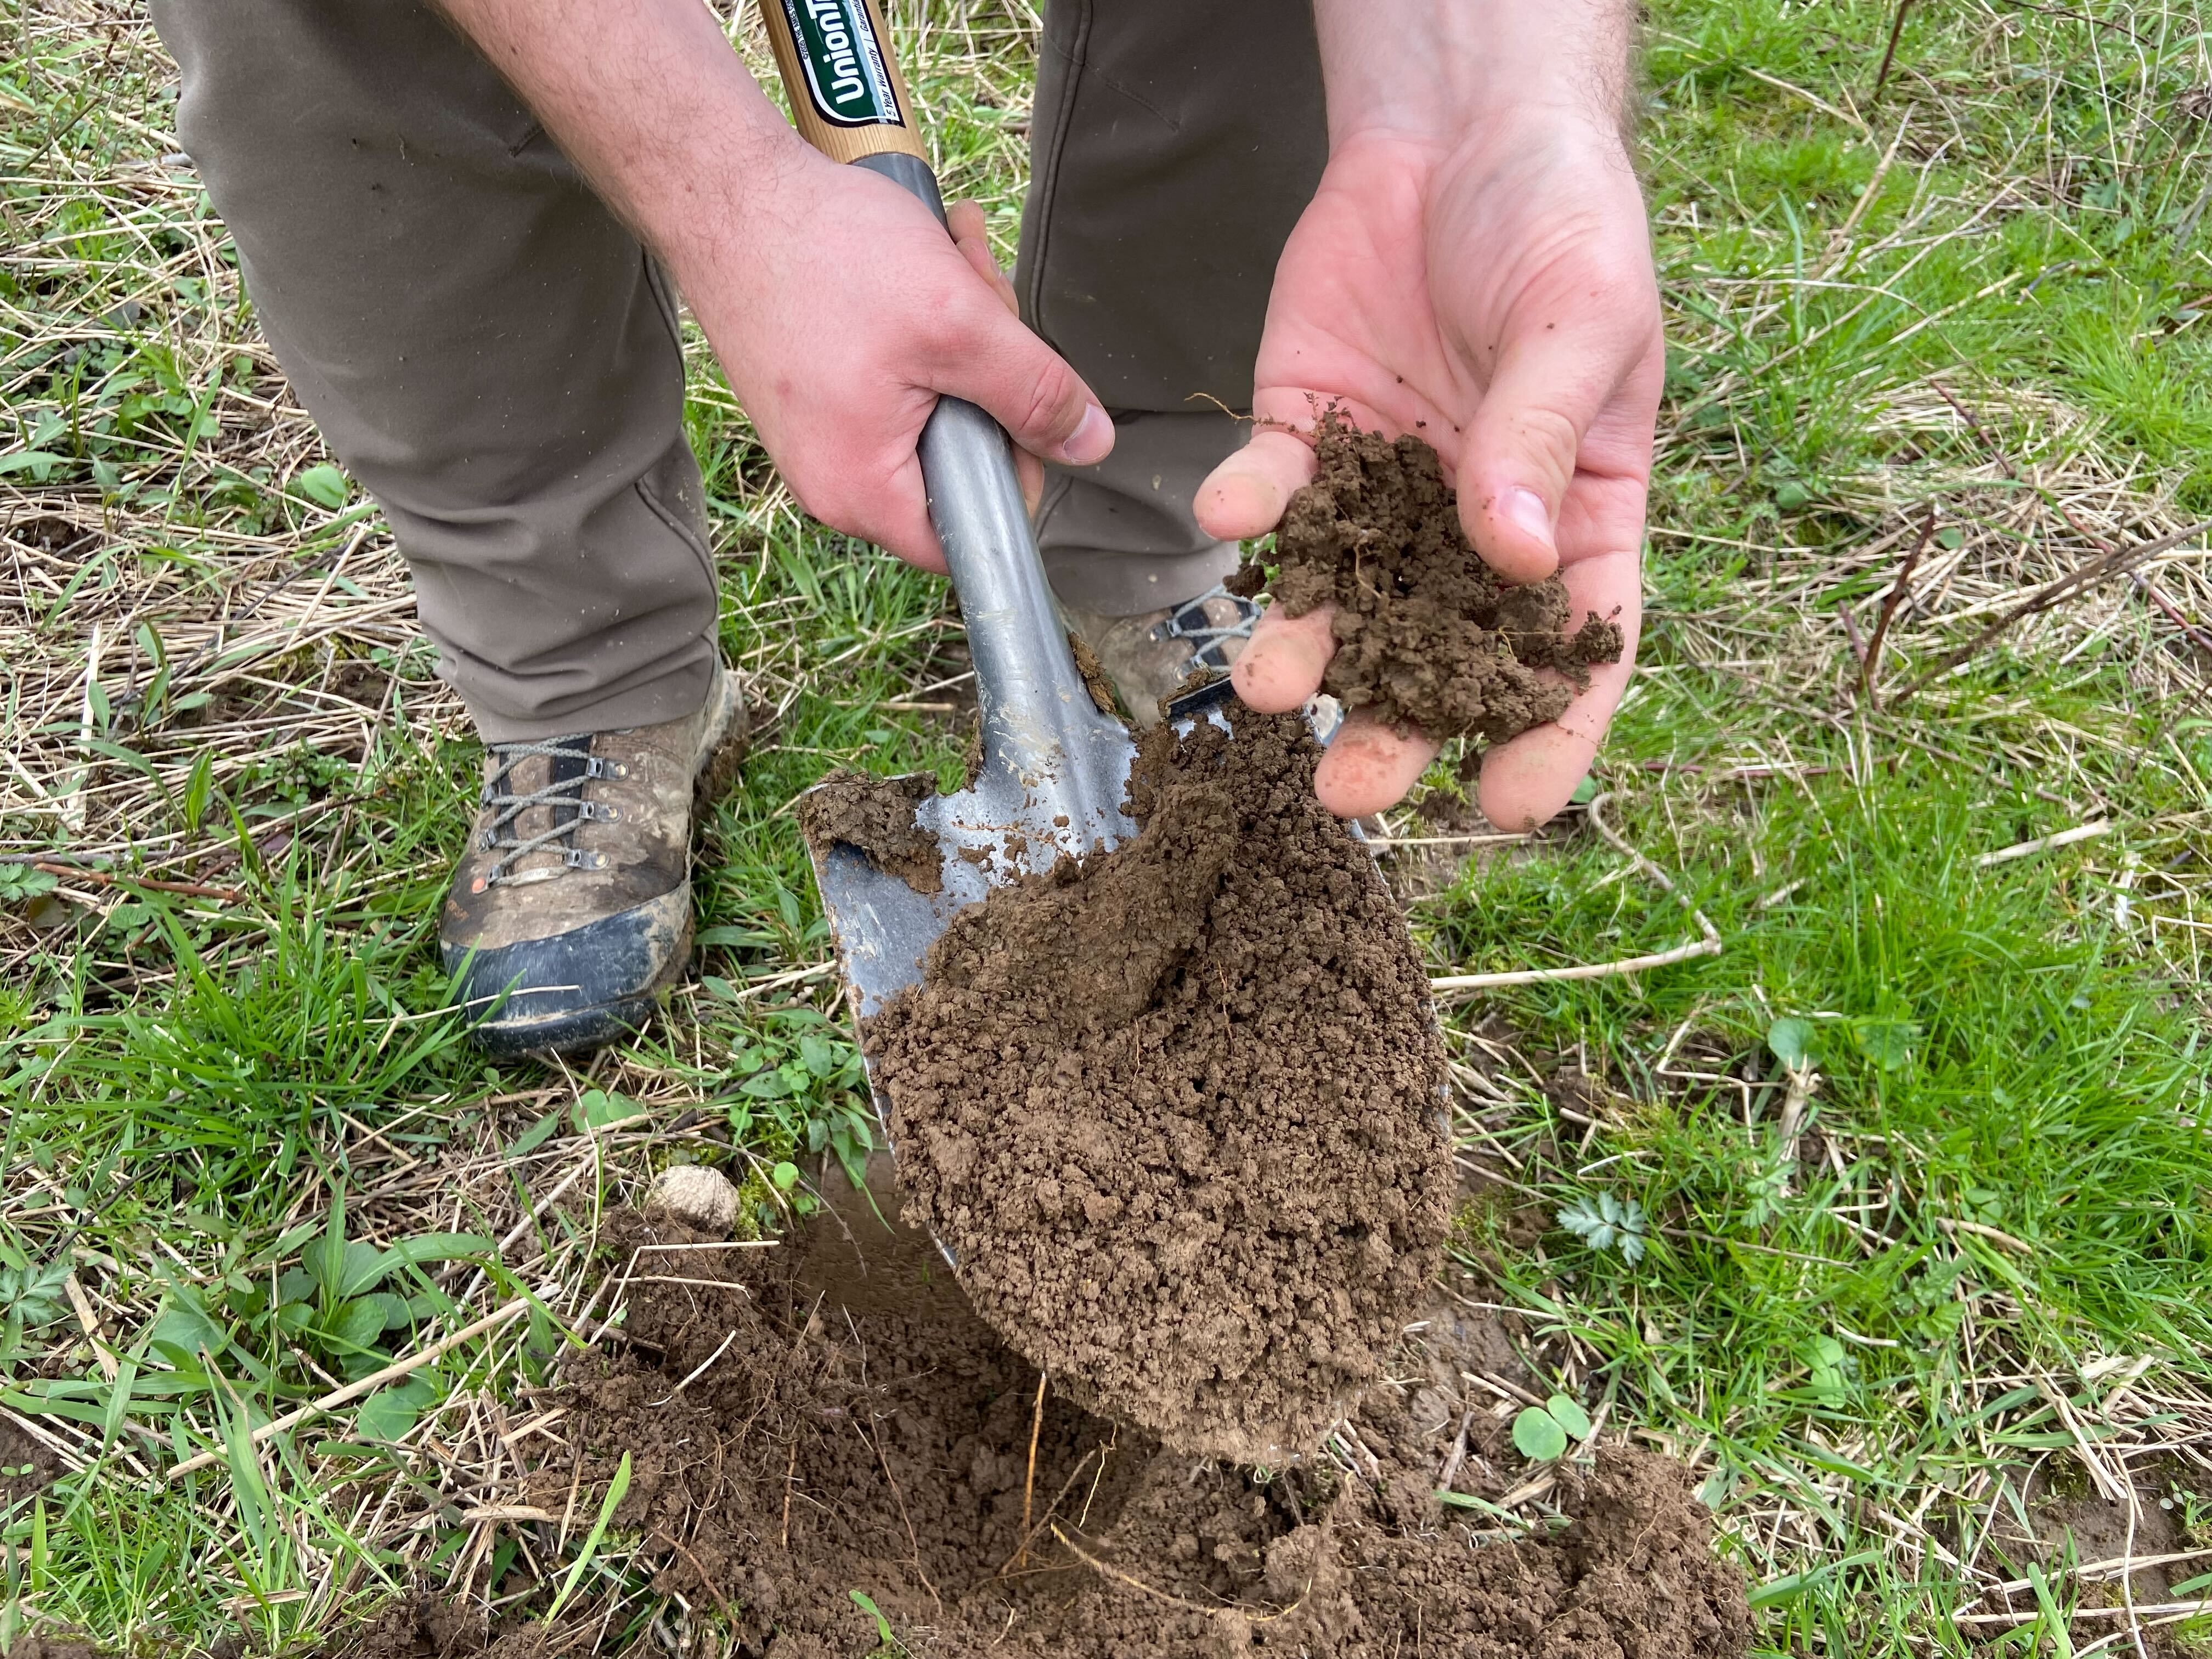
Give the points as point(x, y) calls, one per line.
point(1568, 1415)
point(1538, 1436)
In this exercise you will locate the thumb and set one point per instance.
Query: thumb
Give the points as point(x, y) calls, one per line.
point(989, 358)
point(1519, 452)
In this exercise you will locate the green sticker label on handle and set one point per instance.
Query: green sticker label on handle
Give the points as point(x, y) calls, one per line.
point(845, 76)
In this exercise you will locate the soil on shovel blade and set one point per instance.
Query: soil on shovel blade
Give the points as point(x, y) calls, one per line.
point(1426, 634)
point(1175, 1109)
point(817, 1453)
point(875, 815)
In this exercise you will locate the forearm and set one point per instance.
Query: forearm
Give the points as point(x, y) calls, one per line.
point(647, 98)
point(1432, 67)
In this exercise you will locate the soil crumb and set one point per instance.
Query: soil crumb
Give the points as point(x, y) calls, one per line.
point(875, 816)
point(1426, 634)
point(1173, 1109)
point(1096, 680)
point(814, 1455)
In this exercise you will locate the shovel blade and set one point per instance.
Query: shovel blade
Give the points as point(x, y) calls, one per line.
point(988, 837)
point(884, 927)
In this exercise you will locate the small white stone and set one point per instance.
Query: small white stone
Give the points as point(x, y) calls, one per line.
point(698, 1197)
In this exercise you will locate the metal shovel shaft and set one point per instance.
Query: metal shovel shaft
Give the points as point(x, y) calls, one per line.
point(1042, 734)
point(1054, 766)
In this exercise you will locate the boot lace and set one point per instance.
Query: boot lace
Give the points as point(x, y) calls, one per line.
point(1209, 638)
point(570, 767)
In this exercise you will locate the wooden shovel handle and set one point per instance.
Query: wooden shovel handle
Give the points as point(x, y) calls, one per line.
point(847, 97)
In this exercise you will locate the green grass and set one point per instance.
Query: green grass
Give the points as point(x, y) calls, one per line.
point(1882, 1342)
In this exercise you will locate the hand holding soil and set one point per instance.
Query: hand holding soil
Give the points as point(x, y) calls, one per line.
point(1421, 635)
point(1487, 286)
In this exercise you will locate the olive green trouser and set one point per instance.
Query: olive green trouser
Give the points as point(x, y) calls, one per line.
point(495, 357)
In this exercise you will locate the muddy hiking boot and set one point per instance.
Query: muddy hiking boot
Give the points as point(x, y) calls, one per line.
point(572, 906)
point(1148, 656)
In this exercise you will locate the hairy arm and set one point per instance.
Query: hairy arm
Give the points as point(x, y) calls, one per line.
point(837, 304)
point(1437, 70)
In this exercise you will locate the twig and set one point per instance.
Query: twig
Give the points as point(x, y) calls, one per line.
point(2195, 635)
point(1528, 1489)
point(1996, 1236)
point(102, 878)
point(369, 1384)
point(1709, 945)
point(1028, 1481)
point(914, 1542)
point(790, 1479)
point(1052, 1508)
point(1889, 53)
point(1871, 663)
point(2078, 17)
point(705, 1580)
point(2174, 1611)
point(1140, 1585)
point(2132, 1564)
point(2089, 831)
point(1858, 644)
point(1458, 1455)
point(704, 1365)
point(89, 1322)
point(2112, 562)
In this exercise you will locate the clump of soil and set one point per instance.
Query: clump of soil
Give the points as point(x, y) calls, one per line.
point(816, 1455)
point(54, 1647)
point(875, 816)
point(1175, 1109)
point(1426, 635)
point(1096, 680)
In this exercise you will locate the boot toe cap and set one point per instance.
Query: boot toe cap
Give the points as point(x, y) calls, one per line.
point(582, 989)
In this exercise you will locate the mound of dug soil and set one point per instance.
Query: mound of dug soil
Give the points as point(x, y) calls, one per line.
point(1175, 1109)
point(1426, 633)
point(818, 1455)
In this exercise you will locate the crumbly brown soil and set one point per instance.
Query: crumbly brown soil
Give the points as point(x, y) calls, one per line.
point(1175, 1109)
point(54, 1647)
point(889, 1453)
point(1096, 680)
point(1425, 634)
point(27, 1466)
point(875, 815)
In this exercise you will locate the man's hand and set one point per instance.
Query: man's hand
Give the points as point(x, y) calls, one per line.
point(1475, 268)
point(839, 307)
point(841, 313)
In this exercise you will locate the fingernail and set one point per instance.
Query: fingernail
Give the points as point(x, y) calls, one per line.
point(1091, 441)
point(1525, 508)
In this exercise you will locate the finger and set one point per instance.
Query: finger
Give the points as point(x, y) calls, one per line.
point(901, 525)
point(1370, 766)
point(1245, 495)
point(986, 355)
point(1030, 471)
point(972, 237)
point(1524, 440)
point(1282, 666)
point(1528, 779)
